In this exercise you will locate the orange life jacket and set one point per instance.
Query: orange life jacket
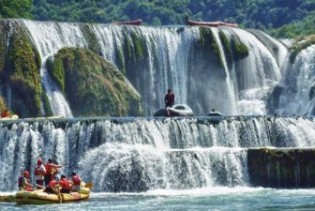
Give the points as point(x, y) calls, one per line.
point(65, 184)
point(48, 168)
point(76, 180)
point(52, 184)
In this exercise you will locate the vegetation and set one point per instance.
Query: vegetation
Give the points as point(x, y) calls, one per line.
point(19, 69)
point(15, 8)
point(282, 18)
point(301, 44)
point(92, 85)
point(266, 15)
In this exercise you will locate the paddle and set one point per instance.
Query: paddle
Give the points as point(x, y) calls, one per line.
point(88, 185)
point(40, 186)
point(58, 193)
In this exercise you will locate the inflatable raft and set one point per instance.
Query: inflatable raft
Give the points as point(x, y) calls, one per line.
point(41, 197)
point(175, 110)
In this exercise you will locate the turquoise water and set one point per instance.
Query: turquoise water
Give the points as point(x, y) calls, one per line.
point(201, 199)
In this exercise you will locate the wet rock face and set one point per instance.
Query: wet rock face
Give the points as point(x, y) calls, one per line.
point(92, 85)
point(282, 168)
point(19, 70)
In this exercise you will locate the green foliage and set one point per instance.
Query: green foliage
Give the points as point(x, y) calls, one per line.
point(93, 86)
point(22, 73)
point(46, 104)
point(15, 8)
point(240, 50)
point(267, 15)
point(301, 45)
point(226, 46)
point(56, 71)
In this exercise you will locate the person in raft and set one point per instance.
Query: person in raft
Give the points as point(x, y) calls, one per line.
point(65, 184)
point(39, 173)
point(76, 182)
point(169, 98)
point(24, 182)
point(51, 171)
point(52, 187)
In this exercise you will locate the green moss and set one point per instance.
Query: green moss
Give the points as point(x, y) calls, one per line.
point(91, 38)
point(22, 73)
point(121, 63)
point(226, 45)
point(207, 41)
point(46, 104)
point(4, 37)
point(300, 45)
point(95, 87)
point(240, 50)
point(138, 43)
point(56, 70)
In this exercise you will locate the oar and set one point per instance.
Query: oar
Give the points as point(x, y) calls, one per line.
point(88, 185)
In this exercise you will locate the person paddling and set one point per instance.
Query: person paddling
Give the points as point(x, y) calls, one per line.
point(25, 182)
point(65, 185)
point(52, 186)
point(76, 182)
point(51, 171)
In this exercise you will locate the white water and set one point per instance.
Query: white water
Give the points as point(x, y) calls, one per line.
point(297, 82)
point(259, 73)
point(168, 63)
point(49, 38)
point(143, 155)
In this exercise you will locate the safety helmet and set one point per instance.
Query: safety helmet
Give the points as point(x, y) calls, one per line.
point(39, 161)
point(26, 174)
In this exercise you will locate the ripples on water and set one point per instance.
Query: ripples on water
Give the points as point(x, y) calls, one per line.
point(197, 199)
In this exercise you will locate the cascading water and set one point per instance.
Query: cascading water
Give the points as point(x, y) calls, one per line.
point(157, 58)
point(139, 155)
point(49, 38)
point(297, 85)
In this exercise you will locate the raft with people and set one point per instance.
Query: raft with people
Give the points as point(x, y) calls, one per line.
point(40, 197)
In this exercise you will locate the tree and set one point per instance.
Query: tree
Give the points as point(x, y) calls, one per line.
point(15, 8)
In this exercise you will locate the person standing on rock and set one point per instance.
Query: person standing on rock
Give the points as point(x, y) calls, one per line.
point(169, 98)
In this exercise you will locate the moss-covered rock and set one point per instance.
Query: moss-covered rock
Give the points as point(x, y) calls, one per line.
point(226, 47)
point(282, 168)
point(300, 45)
point(20, 69)
point(239, 49)
point(207, 41)
point(92, 85)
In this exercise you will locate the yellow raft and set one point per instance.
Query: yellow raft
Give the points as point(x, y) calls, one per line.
point(41, 197)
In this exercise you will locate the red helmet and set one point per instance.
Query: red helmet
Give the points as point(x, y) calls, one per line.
point(26, 174)
point(39, 161)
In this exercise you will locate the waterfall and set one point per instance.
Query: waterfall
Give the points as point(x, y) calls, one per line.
point(297, 85)
point(157, 58)
point(49, 38)
point(146, 154)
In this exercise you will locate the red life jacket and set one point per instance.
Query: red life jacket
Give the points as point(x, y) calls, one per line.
point(48, 168)
point(76, 180)
point(52, 184)
point(65, 184)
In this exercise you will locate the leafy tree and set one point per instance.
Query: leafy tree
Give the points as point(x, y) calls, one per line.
point(15, 8)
